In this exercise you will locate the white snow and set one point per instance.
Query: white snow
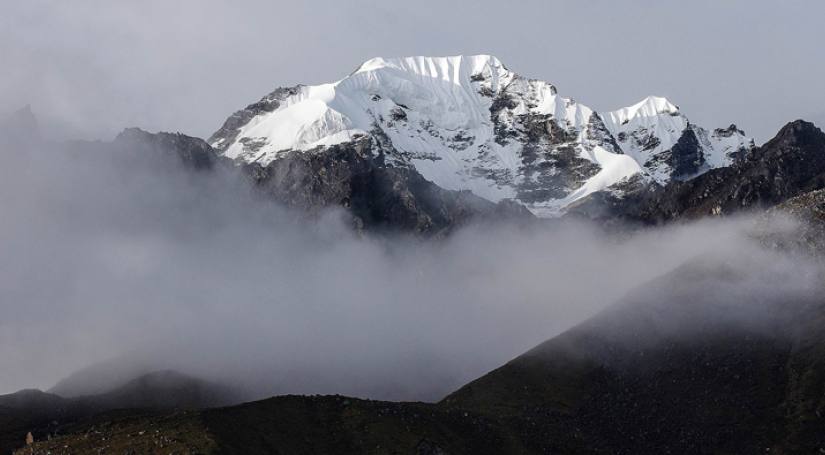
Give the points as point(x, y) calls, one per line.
point(652, 106)
point(615, 168)
point(436, 111)
point(654, 125)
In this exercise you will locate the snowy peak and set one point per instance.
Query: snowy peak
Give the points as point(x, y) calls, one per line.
point(469, 123)
point(664, 142)
point(650, 107)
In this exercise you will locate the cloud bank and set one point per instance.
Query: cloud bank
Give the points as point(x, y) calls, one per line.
point(141, 265)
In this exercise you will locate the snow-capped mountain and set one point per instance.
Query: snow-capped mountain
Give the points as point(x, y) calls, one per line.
point(658, 137)
point(469, 123)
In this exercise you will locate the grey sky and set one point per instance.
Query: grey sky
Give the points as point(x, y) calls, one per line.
point(90, 68)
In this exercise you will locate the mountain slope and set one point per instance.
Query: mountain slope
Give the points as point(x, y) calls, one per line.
point(377, 196)
point(790, 164)
point(808, 237)
point(667, 145)
point(686, 364)
point(705, 359)
point(469, 123)
point(374, 195)
point(44, 414)
point(721, 355)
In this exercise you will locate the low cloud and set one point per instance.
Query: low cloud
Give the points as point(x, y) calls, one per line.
point(146, 267)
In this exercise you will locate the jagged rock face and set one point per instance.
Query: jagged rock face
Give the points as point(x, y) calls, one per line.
point(790, 164)
point(685, 158)
point(469, 123)
point(379, 197)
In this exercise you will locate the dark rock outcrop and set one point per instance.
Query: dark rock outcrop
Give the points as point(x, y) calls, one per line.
point(790, 164)
point(547, 146)
point(378, 196)
point(686, 157)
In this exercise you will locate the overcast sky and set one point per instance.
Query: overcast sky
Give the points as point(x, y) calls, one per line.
point(90, 68)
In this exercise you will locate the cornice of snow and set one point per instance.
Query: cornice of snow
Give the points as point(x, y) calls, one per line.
point(652, 106)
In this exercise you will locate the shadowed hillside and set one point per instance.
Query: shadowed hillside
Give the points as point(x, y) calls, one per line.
point(706, 359)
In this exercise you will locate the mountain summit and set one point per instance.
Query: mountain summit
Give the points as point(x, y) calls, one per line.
point(470, 123)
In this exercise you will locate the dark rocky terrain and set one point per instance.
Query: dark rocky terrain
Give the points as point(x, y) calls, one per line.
point(682, 365)
point(378, 196)
point(47, 415)
point(807, 232)
point(790, 164)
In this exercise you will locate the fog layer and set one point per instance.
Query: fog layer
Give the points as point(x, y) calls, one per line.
point(136, 260)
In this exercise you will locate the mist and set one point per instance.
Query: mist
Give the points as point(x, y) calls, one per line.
point(135, 264)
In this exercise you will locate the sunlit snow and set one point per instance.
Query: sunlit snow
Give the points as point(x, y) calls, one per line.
point(436, 111)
